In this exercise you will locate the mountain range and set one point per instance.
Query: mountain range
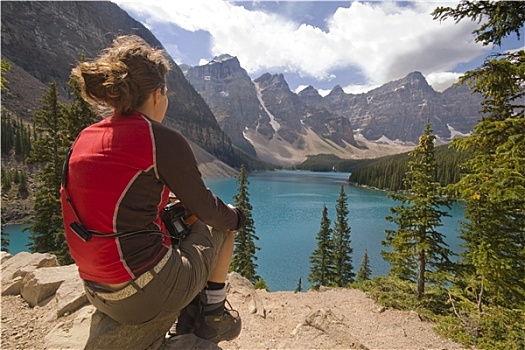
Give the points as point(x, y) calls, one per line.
point(264, 114)
point(217, 105)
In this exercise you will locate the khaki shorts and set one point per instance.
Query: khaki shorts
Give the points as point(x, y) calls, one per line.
point(174, 286)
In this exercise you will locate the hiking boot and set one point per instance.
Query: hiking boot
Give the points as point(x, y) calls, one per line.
point(216, 323)
point(185, 323)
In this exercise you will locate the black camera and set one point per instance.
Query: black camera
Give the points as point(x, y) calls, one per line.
point(173, 217)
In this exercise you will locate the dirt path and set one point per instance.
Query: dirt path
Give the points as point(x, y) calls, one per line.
point(330, 319)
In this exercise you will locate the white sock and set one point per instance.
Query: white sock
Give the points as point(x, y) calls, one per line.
point(213, 296)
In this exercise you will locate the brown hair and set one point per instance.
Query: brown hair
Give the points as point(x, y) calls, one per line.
point(124, 75)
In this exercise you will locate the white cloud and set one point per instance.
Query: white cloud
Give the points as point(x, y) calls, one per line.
point(384, 40)
point(443, 80)
point(359, 89)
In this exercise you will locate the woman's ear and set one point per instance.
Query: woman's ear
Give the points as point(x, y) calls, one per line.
point(157, 95)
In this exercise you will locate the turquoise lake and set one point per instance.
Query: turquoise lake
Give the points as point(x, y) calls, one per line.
point(287, 210)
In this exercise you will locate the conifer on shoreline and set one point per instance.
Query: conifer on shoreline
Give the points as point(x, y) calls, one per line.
point(418, 251)
point(244, 252)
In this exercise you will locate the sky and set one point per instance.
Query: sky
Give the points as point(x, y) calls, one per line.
point(357, 45)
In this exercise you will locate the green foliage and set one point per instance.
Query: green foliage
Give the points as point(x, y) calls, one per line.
point(331, 261)
point(418, 251)
point(17, 177)
point(299, 287)
point(342, 251)
point(261, 284)
point(365, 272)
point(321, 260)
point(454, 315)
point(78, 114)
point(5, 241)
point(4, 68)
point(245, 249)
point(47, 232)
point(6, 180)
point(23, 191)
point(498, 19)
point(393, 292)
point(497, 328)
point(15, 135)
point(493, 187)
point(387, 173)
point(502, 328)
point(326, 162)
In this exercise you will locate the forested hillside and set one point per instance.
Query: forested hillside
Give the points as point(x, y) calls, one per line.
point(388, 172)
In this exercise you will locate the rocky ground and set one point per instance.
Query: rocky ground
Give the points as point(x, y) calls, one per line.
point(330, 319)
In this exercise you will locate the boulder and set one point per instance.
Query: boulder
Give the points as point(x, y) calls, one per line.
point(75, 336)
point(44, 282)
point(21, 263)
point(70, 296)
point(4, 256)
point(245, 288)
point(106, 333)
point(12, 287)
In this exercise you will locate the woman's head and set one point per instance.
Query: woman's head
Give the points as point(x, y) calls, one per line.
point(124, 75)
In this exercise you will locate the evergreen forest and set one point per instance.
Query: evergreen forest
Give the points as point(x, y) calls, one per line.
point(387, 173)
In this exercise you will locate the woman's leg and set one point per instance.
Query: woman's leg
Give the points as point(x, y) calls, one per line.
point(220, 272)
point(206, 315)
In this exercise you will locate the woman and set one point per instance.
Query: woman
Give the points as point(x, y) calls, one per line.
point(117, 182)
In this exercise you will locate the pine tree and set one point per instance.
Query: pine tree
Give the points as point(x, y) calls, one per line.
point(78, 113)
point(261, 284)
point(47, 232)
point(321, 260)
point(245, 249)
point(5, 241)
point(299, 287)
point(16, 176)
point(342, 251)
point(8, 133)
point(4, 68)
point(6, 180)
point(22, 139)
point(419, 252)
point(365, 272)
point(22, 187)
point(493, 187)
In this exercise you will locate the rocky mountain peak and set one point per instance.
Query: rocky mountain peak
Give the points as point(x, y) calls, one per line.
point(310, 96)
point(337, 91)
point(309, 90)
point(276, 81)
point(226, 61)
point(223, 58)
point(415, 80)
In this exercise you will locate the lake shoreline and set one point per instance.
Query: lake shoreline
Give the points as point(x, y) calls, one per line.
point(287, 209)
